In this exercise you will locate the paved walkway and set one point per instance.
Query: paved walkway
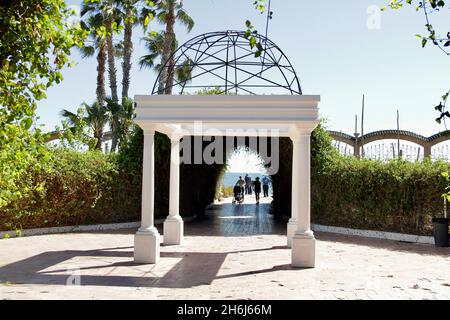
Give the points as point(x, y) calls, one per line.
point(237, 252)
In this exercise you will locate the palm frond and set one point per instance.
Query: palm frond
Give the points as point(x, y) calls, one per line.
point(185, 19)
point(72, 118)
point(161, 16)
point(87, 51)
point(183, 73)
point(96, 21)
point(154, 43)
point(147, 61)
point(118, 49)
point(88, 8)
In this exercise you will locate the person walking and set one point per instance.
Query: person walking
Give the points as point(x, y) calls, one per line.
point(257, 188)
point(241, 183)
point(248, 184)
point(265, 184)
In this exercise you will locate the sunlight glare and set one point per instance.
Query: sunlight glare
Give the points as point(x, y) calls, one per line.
point(243, 160)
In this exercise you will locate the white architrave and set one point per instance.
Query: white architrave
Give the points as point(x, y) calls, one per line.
point(293, 116)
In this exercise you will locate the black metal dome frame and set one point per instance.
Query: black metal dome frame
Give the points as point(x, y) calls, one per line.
point(225, 61)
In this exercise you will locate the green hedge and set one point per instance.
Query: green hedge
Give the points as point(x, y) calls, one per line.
point(73, 188)
point(85, 188)
point(77, 188)
point(397, 196)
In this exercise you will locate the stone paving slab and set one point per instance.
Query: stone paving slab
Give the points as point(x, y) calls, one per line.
point(252, 267)
point(210, 265)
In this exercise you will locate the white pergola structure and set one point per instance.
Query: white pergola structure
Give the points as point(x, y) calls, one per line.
point(293, 116)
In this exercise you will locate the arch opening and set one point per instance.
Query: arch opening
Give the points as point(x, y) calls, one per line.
point(388, 149)
point(243, 162)
point(343, 147)
point(441, 151)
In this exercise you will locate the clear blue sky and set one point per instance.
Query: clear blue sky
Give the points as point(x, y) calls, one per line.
point(333, 51)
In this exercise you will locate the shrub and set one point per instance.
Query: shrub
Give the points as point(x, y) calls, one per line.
point(73, 188)
point(397, 196)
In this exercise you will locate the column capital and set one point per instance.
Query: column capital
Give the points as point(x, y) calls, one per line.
point(175, 138)
point(148, 131)
point(302, 130)
point(176, 135)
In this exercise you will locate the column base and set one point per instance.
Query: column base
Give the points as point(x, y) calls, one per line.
point(291, 228)
point(146, 246)
point(303, 250)
point(173, 230)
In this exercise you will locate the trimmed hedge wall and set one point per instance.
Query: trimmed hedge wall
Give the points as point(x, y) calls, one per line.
point(76, 188)
point(397, 196)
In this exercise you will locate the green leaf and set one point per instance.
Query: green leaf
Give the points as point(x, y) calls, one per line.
point(424, 42)
point(26, 123)
point(252, 42)
point(146, 21)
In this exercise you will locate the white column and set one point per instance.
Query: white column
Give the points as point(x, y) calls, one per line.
point(146, 240)
point(173, 226)
point(303, 242)
point(292, 224)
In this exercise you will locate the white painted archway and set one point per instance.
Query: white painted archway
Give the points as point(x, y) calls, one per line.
point(293, 116)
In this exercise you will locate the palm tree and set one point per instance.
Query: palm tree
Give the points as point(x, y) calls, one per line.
point(170, 11)
point(114, 112)
point(130, 17)
point(120, 117)
point(112, 16)
point(107, 15)
point(126, 121)
point(154, 43)
point(183, 73)
point(95, 43)
point(95, 116)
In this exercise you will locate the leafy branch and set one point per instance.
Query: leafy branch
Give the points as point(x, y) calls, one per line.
point(429, 7)
point(251, 33)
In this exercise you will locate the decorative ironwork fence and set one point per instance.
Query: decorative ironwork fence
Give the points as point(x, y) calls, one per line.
point(389, 144)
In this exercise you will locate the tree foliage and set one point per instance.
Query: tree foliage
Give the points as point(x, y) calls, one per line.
point(168, 13)
point(427, 7)
point(251, 32)
point(441, 40)
point(86, 126)
point(35, 41)
point(398, 196)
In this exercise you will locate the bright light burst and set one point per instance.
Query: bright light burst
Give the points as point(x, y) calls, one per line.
point(242, 160)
